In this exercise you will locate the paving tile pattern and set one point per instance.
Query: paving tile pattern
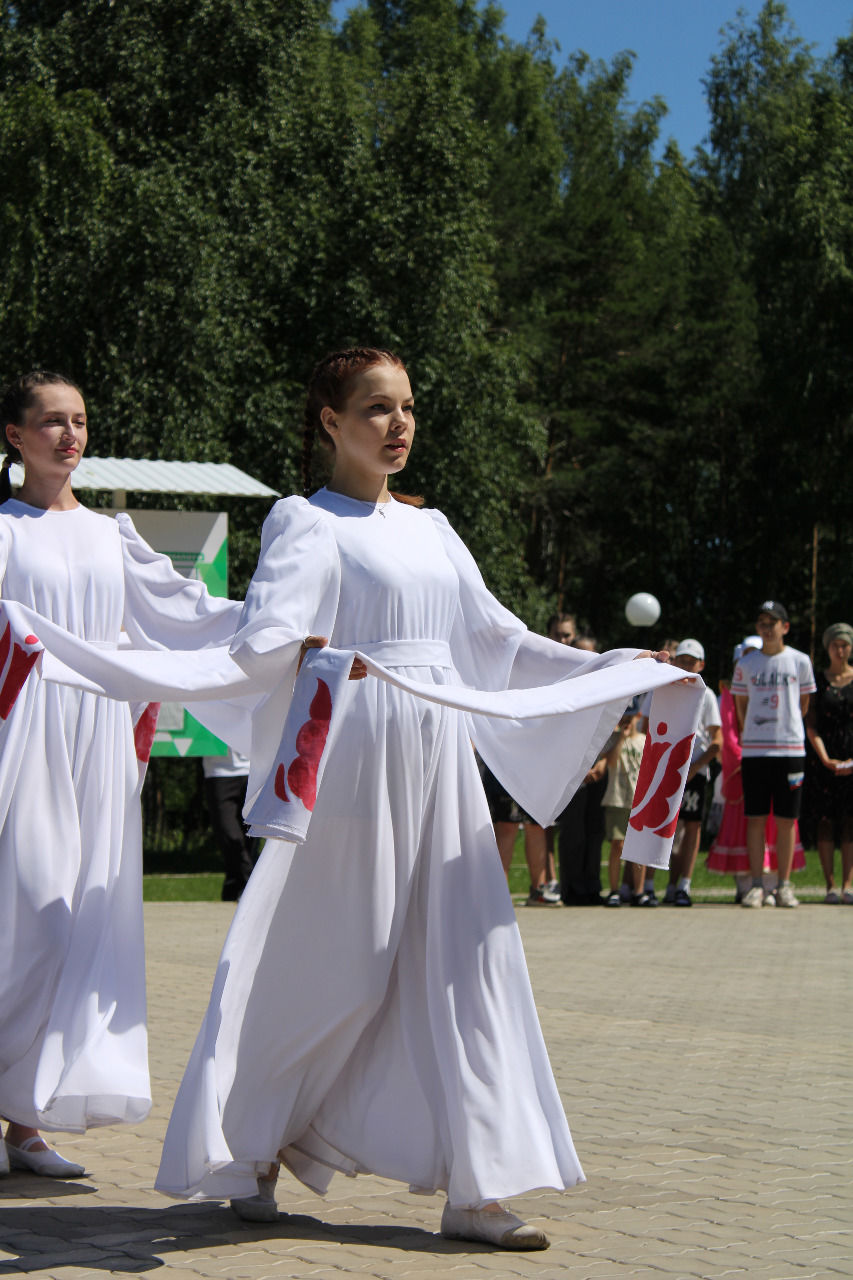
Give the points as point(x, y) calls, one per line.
point(705, 1058)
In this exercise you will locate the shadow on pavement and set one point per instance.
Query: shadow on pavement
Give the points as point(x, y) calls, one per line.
point(121, 1238)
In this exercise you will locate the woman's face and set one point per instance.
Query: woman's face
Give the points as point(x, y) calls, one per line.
point(839, 651)
point(52, 436)
point(373, 433)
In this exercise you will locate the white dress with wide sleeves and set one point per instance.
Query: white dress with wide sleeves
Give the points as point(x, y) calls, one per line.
point(371, 1010)
point(73, 1048)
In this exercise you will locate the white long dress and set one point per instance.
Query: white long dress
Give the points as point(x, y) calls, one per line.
point(73, 1049)
point(372, 1010)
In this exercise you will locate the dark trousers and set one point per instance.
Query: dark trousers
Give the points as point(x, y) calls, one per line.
point(581, 835)
point(225, 799)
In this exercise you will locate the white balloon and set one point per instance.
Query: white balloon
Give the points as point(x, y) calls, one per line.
point(642, 610)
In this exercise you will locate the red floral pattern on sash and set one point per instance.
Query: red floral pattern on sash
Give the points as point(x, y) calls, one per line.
point(310, 741)
point(19, 666)
point(655, 808)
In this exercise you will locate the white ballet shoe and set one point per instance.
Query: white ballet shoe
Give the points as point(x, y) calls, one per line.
point(259, 1208)
point(49, 1163)
point(500, 1228)
point(4, 1159)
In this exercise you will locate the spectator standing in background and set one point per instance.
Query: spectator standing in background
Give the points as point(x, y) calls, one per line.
point(581, 828)
point(225, 780)
point(623, 766)
point(690, 656)
point(728, 855)
point(771, 687)
point(829, 771)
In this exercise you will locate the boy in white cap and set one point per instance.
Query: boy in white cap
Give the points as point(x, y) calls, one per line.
point(690, 656)
point(771, 688)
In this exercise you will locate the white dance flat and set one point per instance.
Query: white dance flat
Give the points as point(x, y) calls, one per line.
point(259, 1208)
point(4, 1159)
point(49, 1164)
point(503, 1229)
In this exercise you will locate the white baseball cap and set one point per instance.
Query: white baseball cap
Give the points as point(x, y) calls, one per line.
point(690, 649)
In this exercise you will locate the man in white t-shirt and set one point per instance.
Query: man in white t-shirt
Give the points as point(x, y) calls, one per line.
point(707, 744)
point(771, 688)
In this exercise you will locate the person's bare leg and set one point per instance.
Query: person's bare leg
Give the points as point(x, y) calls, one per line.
point(638, 875)
point(826, 853)
point(846, 866)
point(784, 848)
point(755, 846)
point(675, 860)
point(614, 865)
point(534, 852)
point(505, 833)
point(689, 849)
point(550, 862)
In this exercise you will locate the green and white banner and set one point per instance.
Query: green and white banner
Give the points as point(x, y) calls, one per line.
point(197, 544)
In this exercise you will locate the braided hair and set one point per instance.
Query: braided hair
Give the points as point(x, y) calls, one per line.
point(17, 398)
point(329, 385)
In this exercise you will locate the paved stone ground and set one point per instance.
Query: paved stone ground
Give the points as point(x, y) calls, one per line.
point(705, 1058)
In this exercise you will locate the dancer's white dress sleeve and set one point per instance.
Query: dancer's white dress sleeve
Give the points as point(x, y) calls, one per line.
point(293, 594)
point(165, 610)
point(537, 760)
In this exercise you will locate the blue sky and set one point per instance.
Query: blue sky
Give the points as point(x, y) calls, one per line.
point(673, 40)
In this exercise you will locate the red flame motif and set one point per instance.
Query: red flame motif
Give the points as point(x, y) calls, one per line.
point(20, 665)
point(143, 733)
point(279, 787)
point(657, 810)
point(310, 741)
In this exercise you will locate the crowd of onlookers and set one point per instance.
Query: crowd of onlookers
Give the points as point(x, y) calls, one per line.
point(771, 768)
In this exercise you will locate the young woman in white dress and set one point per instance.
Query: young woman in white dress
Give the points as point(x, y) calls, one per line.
point(371, 1011)
point(73, 1048)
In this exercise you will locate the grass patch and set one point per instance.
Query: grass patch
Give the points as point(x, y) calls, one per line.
point(707, 887)
point(205, 887)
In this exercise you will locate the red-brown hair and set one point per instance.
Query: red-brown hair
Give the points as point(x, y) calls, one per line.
point(329, 384)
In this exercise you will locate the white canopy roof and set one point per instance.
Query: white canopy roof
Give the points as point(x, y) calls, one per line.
point(151, 475)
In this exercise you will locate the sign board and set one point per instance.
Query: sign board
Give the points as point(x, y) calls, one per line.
point(197, 544)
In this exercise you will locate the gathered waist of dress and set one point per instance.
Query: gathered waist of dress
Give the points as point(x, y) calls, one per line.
point(404, 653)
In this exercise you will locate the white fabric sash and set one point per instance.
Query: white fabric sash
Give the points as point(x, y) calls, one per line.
point(284, 805)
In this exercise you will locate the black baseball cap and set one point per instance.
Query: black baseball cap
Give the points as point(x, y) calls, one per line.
point(775, 609)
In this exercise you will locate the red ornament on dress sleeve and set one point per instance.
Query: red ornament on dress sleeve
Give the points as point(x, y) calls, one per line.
point(659, 785)
point(310, 741)
point(15, 668)
point(144, 730)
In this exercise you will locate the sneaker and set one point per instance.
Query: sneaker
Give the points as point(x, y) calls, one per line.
point(613, 900)
point(785, 896)
point(754, 898)
point(683, 898)
point(553, 886)
point(643, 900)
point(832, 897)
point(770, 897)
point(653, 899)
point(847, 897)
point(669, 896)
point(542, 897)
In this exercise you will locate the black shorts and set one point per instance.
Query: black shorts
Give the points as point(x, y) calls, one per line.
point(502, 807)
point(693, 801)
point(772, 784)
